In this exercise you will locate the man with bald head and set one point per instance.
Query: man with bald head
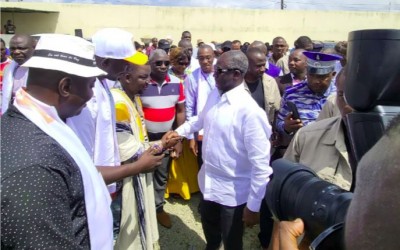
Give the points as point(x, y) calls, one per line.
point(236, 149)
point(298, 70)
point(15, 77)
point(303, 42)
point(262, 87)
point(163, 105)
point(270, 68)
point(265, 92)
point(186, 44)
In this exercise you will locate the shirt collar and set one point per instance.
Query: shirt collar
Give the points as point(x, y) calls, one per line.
point(235, 94)
point(166, 80)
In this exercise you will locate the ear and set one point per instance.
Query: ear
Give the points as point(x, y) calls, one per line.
point(126, 76)
point(65, 86)
point(237, 74)
point(105, 63)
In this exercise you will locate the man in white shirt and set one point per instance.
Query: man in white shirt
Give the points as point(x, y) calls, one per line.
point(21, 49)
point(236, 148)
point(198, 86)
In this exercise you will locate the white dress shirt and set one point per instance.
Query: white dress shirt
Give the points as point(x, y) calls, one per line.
point(235, 148)
point(14, 77)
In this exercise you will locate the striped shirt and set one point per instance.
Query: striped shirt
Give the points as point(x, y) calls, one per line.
point(159, 103)
point(308, 104)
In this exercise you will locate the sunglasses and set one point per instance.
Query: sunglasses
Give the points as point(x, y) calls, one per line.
point(221, 71)
point(183, 63)
point(159, 63)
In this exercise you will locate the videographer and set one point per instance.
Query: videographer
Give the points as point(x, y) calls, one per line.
point(373, 215)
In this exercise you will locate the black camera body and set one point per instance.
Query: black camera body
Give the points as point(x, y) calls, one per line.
point(295, 191)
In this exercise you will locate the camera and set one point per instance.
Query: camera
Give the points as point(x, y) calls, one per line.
point(295, 191)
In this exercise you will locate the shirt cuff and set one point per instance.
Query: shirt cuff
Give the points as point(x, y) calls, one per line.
point(254, 204)
point(180, 131)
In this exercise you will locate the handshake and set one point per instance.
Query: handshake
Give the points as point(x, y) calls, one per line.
point(167, 143)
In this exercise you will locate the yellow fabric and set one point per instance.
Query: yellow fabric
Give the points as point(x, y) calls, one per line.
point(129, 236)
point(123, 112)
point(182, 177)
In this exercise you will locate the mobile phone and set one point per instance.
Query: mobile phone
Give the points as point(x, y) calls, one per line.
point(292, 107)
point(166, 153)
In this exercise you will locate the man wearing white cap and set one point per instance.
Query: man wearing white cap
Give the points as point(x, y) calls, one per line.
point(52, 196)
point(95, 126)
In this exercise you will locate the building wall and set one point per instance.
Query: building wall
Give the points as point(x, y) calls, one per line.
point(205, 23)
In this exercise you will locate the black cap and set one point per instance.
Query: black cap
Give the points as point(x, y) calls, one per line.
point(226, 45)
point(163, 44)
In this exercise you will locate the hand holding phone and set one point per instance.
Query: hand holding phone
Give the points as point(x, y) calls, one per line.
point(292, 121)
point(293, 108)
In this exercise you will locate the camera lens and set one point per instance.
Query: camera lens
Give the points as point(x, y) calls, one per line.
point(295, 191)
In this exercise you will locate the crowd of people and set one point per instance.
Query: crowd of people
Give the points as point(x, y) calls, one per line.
point(95, 135)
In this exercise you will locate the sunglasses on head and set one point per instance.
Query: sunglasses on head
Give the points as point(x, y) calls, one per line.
point(159, 63)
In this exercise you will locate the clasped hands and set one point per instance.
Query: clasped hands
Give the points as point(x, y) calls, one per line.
point(172, 141)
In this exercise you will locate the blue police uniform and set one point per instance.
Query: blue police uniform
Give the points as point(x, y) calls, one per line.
point(308, 103)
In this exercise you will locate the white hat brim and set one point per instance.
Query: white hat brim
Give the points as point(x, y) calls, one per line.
point(64, 66)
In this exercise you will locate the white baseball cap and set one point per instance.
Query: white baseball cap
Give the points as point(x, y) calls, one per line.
point(66, 53)
point(116, 43)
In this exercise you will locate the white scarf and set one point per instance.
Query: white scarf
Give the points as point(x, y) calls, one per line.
point(97, 198)
point(8, 83)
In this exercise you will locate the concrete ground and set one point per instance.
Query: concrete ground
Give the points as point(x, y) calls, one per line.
point(186, 232)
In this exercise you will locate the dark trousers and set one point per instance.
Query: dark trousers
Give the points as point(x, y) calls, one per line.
point(116, 208)
point(222, 223)
point(160, 176)
point(199, 153)
point(266, 221)
point(266, 225)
